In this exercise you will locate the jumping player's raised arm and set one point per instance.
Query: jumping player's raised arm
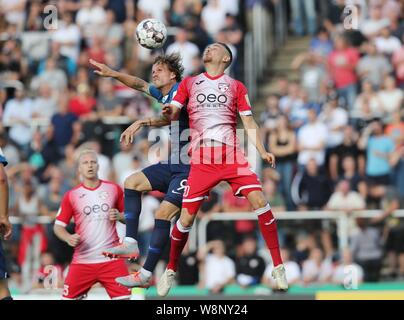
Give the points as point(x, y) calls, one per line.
point(250, 125)
point(128, 80)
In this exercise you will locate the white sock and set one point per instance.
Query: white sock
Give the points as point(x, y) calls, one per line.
point(130, 240)
point(145, 274)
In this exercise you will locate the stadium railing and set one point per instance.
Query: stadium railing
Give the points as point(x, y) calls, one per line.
point(343, 221)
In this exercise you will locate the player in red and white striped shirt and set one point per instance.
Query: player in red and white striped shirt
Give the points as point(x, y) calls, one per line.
point(95, 206)
point(213, 100)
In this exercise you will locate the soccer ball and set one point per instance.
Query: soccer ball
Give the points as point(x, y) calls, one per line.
point(151, 33)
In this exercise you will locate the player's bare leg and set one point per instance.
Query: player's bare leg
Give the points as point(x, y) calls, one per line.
point(141, 279)
point(267, 224)
point(4, 291)
point(179, 237)
point(135, 185)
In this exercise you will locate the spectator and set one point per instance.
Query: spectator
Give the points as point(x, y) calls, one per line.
point(386, 43)
point(368, 105)
point(273, 196)
point(293, 273)
point(63, 62)
point(68, 166)
point(269, 118)
point(367, 250)
point(304, 8)
point(347, 273)
point(375, 24)
point(113, 37)
point(187, 50)
point(321, 45)
point(312, 140)
point(342, 63)
point(350, 174)
point(64, 124)
point(10, 151)
point(218, 270)
point(108, 104)
point(284, 146)
point(390, 97)
point(153, 9)
point(314, 188)
point(379, 149)
point(335, 118)
point(398, 64)
point(344, 199)
point(312, 73)
point(45, 105)
point(334, 19)
point(33, 239)
point(68, 35)
point(291, 101)
point(249, 265)
point(90, 18)
point(213, 11)
point(18, 114)
point(122, 161)
point(373, 67)
point(83, 104)
point(316, 269)
point(52, 76)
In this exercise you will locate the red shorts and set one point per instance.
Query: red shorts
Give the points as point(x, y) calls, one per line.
point(217, 164)
point(82, 277)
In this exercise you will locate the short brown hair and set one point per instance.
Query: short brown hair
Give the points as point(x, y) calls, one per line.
point(174, 64)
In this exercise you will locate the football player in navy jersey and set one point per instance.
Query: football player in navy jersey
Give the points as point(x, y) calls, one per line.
point(5, 228)
point(168, 177)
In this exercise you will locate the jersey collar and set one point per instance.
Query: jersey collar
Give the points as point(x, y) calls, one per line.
point(213, 78)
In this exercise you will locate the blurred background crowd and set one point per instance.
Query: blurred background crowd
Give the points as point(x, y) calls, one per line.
point(337, 132)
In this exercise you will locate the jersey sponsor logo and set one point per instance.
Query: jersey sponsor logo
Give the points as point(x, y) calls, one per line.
point(103, 195)
point(211, 98)
point(87, 210)
point(223, 87)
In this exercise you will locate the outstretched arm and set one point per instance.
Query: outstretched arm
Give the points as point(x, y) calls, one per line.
point(128, 135)
point(254, 136)
point(128, 80)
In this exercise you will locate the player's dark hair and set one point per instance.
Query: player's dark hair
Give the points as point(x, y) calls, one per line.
point(174, 64)
point(228, 51)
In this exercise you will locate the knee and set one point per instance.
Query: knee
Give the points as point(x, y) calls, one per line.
point(187, 220)
point(163, 214)
point(134, 182)
point(259, 201)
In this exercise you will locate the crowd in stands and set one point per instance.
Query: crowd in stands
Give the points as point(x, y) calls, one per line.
point(337, 131)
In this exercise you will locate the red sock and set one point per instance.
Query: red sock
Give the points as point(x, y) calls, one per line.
point(269, 231)
point(178, 241)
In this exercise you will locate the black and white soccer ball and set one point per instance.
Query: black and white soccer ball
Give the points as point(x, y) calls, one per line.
point(151, 33)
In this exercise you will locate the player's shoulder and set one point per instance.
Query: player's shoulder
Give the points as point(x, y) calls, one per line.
point(111, 184)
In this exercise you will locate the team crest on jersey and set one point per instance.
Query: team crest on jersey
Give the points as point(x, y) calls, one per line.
point(223, 87)
point(103, 195)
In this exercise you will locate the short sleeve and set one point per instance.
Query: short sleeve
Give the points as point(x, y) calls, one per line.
point(182, 96)
point(155, 93)
point(243, 102)
point(65, 212)
point(119, 199)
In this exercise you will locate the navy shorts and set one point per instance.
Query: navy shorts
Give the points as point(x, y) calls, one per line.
point(3, 269)
point(163, 179)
